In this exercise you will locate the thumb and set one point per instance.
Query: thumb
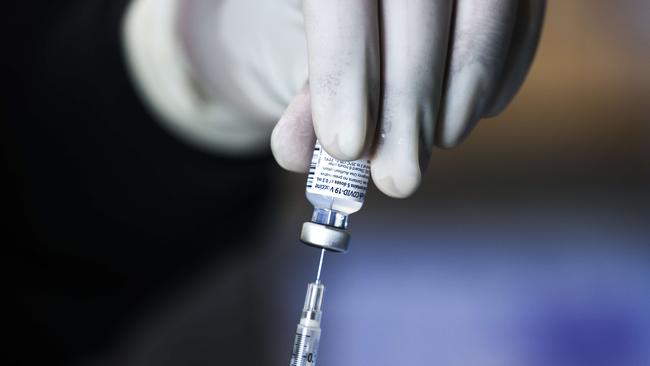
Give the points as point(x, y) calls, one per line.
point(293, 138)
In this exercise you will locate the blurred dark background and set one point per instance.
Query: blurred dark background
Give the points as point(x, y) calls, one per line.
point(527, 245)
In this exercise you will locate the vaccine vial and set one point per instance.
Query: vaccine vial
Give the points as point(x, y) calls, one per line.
point(336, 189)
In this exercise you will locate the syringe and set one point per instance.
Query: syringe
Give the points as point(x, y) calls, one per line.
point(305, 346)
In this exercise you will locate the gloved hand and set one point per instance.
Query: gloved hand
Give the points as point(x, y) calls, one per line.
point(392, 77)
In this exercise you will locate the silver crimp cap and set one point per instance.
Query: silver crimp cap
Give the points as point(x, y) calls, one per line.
point(325, 237)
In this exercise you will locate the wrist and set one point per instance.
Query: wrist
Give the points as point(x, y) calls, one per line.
point(164, 79)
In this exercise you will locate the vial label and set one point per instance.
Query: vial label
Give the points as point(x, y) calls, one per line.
point(336, 178)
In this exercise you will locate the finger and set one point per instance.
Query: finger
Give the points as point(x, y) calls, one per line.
point(292, 140)
point(525, 38)
point(481, 37)
point(414, 49)
point(343, 46)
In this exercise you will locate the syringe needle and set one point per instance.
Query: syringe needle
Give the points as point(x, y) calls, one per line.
point(320, 265)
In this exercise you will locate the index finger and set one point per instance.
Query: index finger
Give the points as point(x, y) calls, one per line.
point(343, 46)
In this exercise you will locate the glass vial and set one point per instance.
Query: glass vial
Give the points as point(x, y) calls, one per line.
point(336, 189)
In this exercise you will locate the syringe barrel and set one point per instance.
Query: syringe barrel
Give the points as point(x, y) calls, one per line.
point(305, 346)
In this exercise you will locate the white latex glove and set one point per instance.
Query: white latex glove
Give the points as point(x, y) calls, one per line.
point(393, 77)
